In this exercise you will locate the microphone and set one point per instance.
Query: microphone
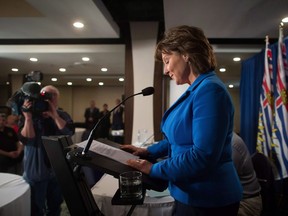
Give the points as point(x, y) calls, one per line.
point(145, 92)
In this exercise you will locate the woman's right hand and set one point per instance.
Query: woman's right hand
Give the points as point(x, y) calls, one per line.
point(142, 152)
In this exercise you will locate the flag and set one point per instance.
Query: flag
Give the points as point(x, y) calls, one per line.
point(281, 112)
point(266, 109)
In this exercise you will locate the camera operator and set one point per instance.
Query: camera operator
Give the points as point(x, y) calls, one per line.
point(46, 196)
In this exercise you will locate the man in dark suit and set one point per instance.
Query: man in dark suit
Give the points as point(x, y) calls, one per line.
point(91, 115)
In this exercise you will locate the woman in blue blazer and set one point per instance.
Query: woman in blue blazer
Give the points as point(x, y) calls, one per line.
point(197, 131)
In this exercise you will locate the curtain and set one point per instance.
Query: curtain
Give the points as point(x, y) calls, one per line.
point(252, 71)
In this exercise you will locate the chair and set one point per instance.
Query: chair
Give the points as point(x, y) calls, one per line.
point(264, 173)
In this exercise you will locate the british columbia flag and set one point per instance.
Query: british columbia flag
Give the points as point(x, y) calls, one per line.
point(280, 137)
point(266, 110)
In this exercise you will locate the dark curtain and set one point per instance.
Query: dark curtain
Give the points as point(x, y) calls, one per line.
point(250, 87)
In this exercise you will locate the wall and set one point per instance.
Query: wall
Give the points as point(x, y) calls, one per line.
point(75, 99)
point(143, 36)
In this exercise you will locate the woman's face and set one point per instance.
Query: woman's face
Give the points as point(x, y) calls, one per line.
point(177, 67)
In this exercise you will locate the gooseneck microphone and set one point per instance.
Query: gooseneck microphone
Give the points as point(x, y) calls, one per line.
point(145, 92)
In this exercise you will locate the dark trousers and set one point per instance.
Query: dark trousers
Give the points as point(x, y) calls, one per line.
point(46, 198)
point(181, 209)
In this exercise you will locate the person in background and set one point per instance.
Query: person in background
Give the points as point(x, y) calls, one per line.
point(197, 131)
point(12, 121)
point(11, 150)
point(46, 196)
point(106, 123)
point(118, 123)
point(117, 118)
point(91, 115)
point(251, 203)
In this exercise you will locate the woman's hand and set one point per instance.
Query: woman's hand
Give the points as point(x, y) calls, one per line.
point(142, 152)
point(142, 165)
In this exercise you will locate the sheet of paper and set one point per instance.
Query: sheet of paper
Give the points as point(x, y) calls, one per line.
point(108, 151)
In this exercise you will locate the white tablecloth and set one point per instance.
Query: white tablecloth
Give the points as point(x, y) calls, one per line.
point(104, 190)
point(77, 137)
point(14, 195)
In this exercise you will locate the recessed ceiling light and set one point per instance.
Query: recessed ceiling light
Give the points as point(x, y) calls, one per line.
point(7, 83)
point(78, 25)
point(285, 20)
point(85, 59)
point(14, 69)
point(88, 79)
point(62, 69)
point(236, 59)
point(231, 86)
point(33, 59)
point(222, 70)
point(69, 83)
point(54, 79)
point(121, 79)
point(101, 83)
point(104, 69)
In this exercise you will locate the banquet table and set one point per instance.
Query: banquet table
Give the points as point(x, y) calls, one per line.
point(155, 203)
point(14, 195)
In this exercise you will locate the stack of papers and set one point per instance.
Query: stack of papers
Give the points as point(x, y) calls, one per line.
point(109, 151)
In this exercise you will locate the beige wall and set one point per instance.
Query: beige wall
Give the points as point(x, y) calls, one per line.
point(143, 36)
point(75, 99)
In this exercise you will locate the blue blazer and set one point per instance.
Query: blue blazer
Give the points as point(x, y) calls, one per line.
point(198, 130)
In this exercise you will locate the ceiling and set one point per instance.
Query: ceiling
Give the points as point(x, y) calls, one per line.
point(43, 29)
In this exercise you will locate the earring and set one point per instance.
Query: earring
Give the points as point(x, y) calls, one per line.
point(186, 59)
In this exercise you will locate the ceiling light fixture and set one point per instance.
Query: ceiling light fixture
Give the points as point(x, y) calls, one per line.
point(78, 25)
point(33, 59)
point(62, 69)
point(121, 79)
point(85, 59)
point(104, 69)
point(54, 79)
point(231, 86)
point(101, 83)
point(236, 59)
point(285, 20)
point(69, 83)
point(222, 70)
point(88, 79)
point(14, 69)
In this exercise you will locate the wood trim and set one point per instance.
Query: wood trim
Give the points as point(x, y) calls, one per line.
point(129, 84)
point(159, 95)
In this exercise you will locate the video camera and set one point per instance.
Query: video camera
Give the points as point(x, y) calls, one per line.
point(30, 90)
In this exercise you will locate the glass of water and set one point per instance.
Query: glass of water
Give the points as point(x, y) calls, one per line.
point(130, 184)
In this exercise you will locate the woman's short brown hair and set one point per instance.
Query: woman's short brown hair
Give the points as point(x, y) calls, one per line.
point(190, 41)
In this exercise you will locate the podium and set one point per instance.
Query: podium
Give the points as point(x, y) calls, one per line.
point(67, 161)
